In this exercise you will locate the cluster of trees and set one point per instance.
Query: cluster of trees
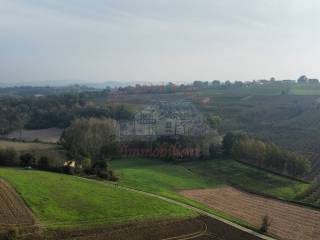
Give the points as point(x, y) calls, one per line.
point(92, 143)
point(264, 155)
point(54, 111)
point(10, 157)
point(45, 90)
point(147, 89)
point(304, 80)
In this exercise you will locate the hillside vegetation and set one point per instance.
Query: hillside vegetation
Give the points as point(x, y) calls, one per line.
point(63, 201)
point(250, 178)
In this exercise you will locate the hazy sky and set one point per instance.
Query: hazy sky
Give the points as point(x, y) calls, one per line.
point(158, 40)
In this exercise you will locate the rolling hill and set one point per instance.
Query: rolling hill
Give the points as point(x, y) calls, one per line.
point(63, 201)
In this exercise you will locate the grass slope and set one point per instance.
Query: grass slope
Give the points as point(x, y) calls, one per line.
point(233, 172)
point(164, 178)
point(66, 201)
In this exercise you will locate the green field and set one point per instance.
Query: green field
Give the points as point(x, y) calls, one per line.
point(247, 177)
point(156, 176)
point(164, 178)
point(306, 89)
point(60, 200)
point(28, 146)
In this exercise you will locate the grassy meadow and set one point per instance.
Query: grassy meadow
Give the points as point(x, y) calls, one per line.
point(62, 201)
point(248, 177)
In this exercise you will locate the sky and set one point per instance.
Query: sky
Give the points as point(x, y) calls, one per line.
point(152, 41)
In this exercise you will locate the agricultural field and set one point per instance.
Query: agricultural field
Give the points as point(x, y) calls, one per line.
point(50, 135)
point(63, 201)
point(306, 89)
point(14, 211)
point(28, 146)
point(156, 176)
point(247, 177)
point(287, 221)
point(69, 207)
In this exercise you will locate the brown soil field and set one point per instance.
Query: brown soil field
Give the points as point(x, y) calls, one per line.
point(200, 228)
point(288, 221)
point(14, 214)
point(50, 135)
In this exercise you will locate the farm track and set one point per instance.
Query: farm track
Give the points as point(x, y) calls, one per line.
point(288, 221)
point(203, 231)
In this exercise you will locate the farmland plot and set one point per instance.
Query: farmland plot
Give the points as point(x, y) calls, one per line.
point(288, 221)
point(13, 211)
point(50, 135)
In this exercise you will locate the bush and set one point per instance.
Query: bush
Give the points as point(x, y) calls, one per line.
point(215, 151)
point(103, 174)
point(86, 163)
point(27, 159)
point(266, 222)
point(68, 170)
point(10, 234)
point(43, 163)
point(7, 157)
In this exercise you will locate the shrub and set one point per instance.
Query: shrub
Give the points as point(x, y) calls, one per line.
point(86, 163)
point(215, 151)
point(266, 222)
point(9, 234)
point(27, 159)
point(68, 170)
point(103, 174)
point(7, 156)
point(43, 163)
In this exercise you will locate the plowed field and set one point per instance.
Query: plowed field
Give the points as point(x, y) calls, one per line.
point(14, 213)
point(200, 228)
point(288, 221)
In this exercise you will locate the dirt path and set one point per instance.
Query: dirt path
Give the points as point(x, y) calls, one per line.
point(288, 221)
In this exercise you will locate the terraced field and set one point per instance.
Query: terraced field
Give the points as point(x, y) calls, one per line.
point(288, 221)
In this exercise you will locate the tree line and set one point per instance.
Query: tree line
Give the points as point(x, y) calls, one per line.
point(264, 155)
point(54, 111)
